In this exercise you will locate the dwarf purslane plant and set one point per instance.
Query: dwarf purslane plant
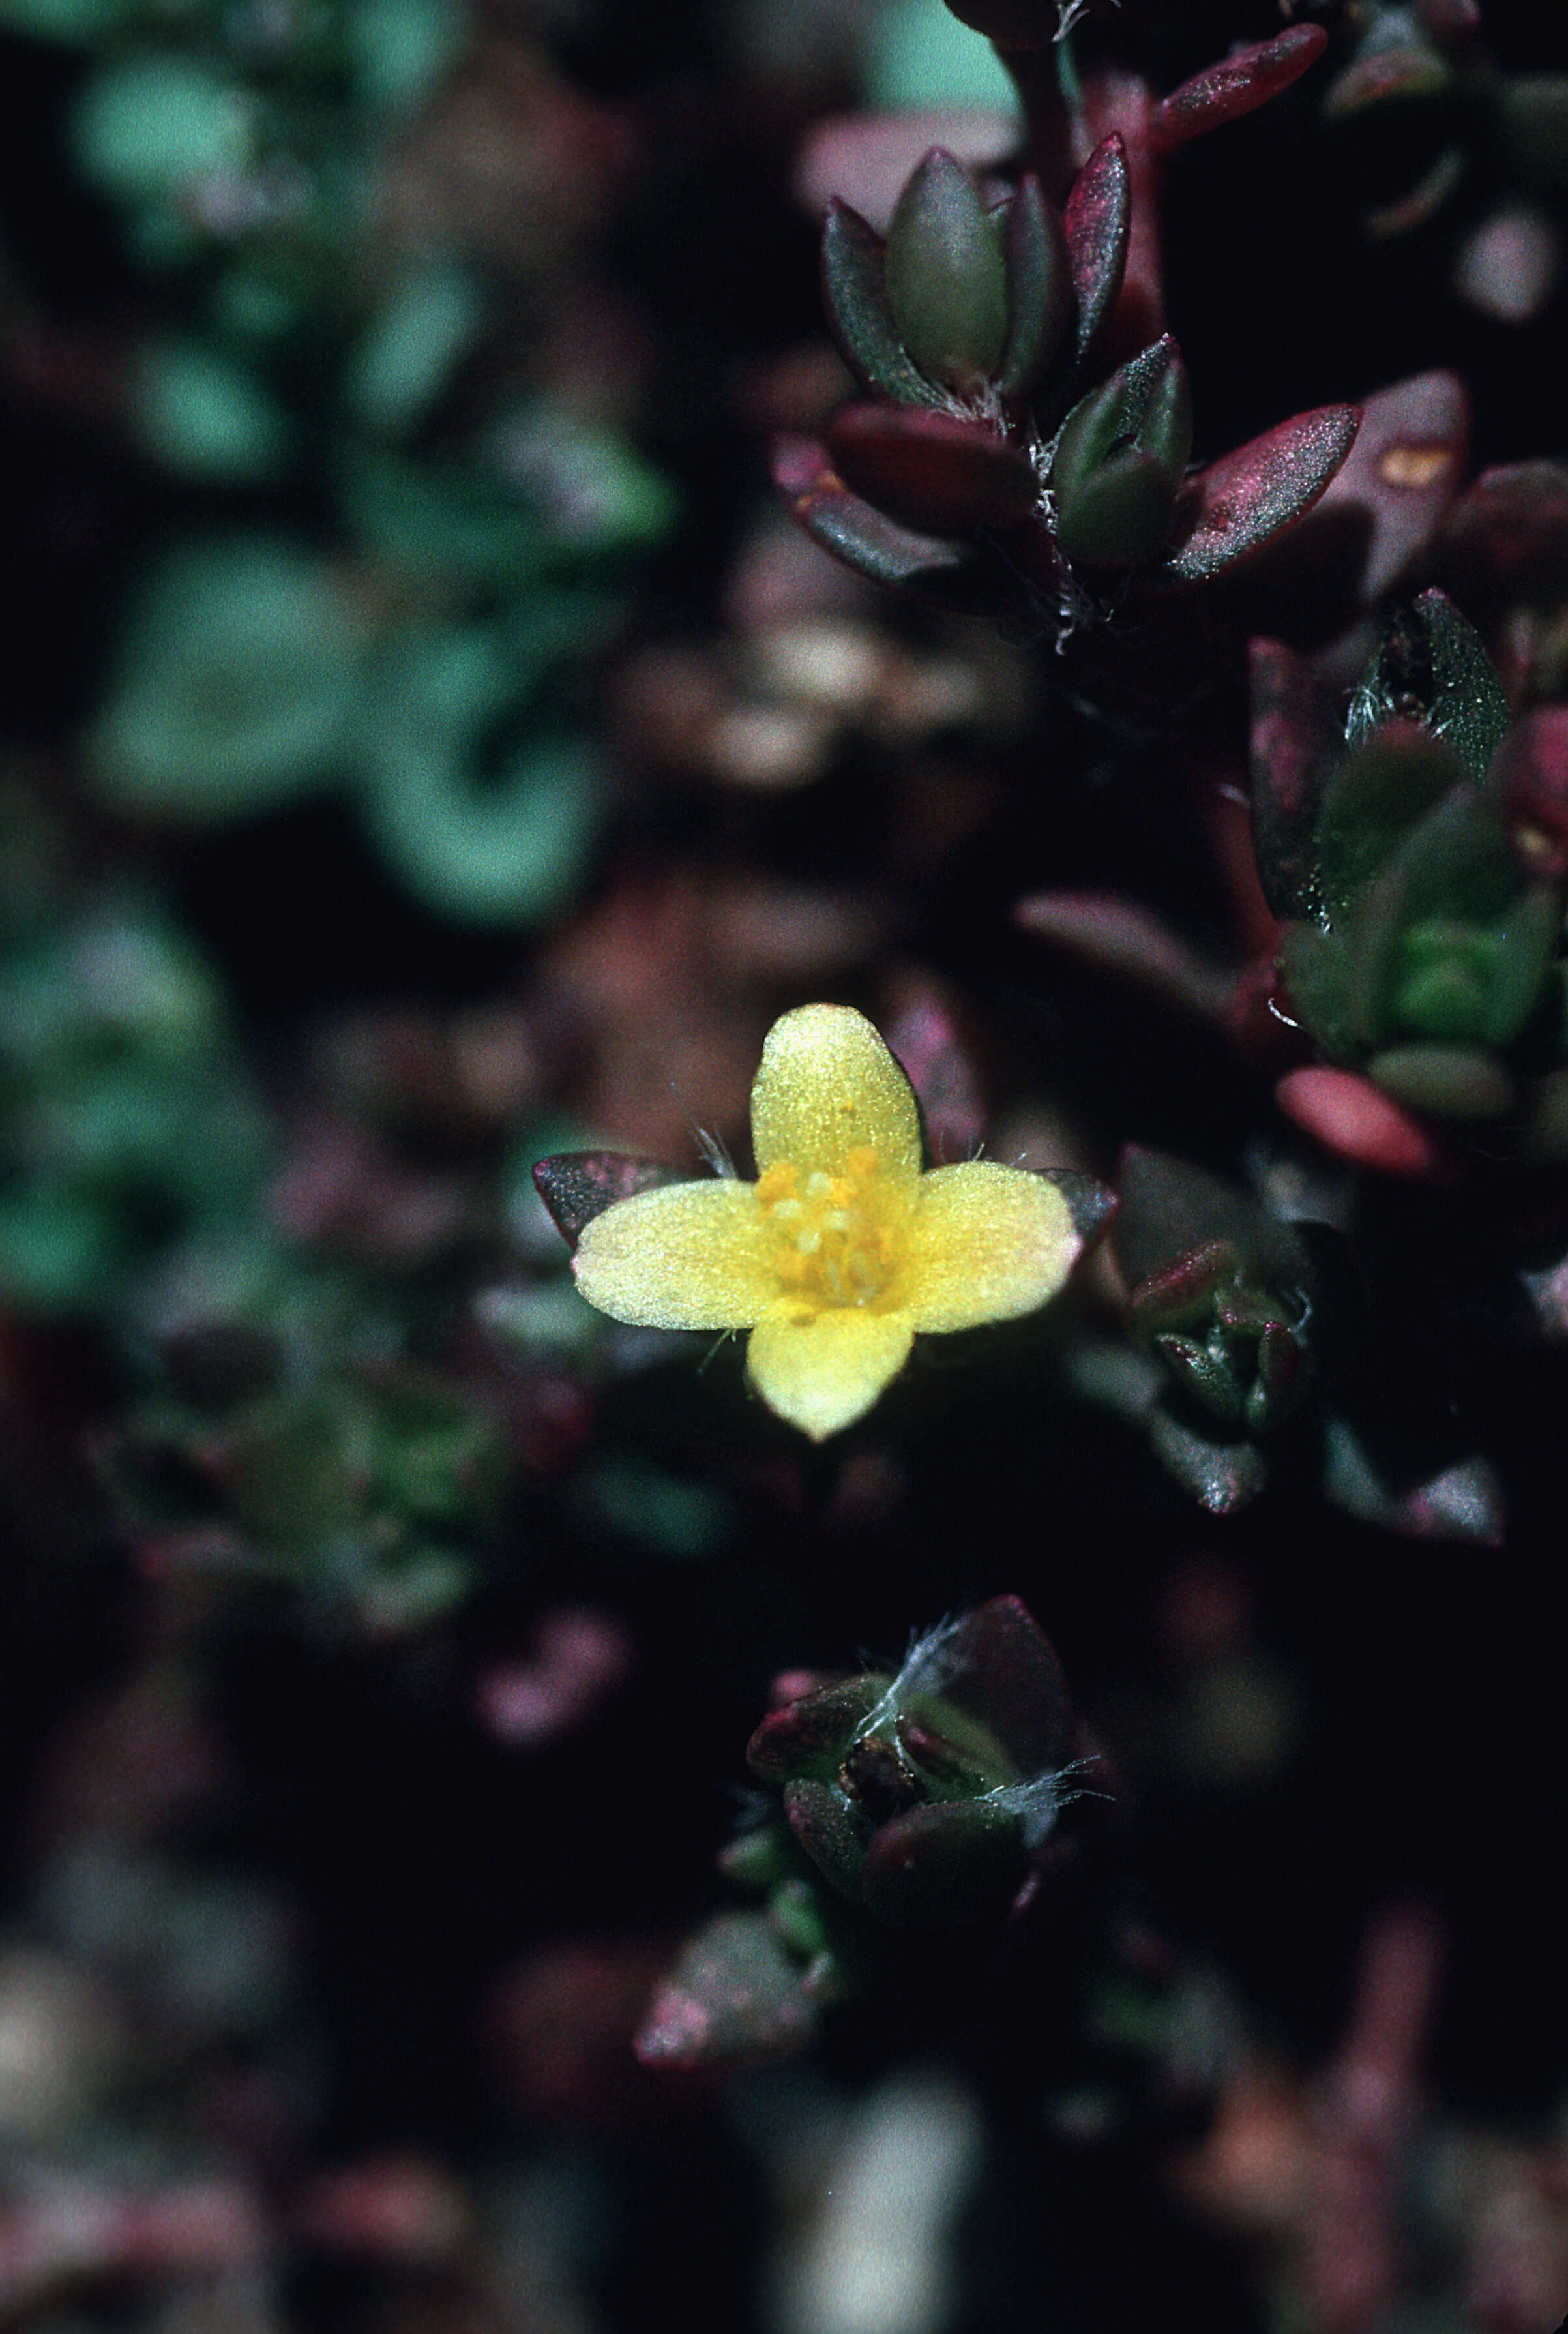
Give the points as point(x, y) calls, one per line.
point(924, 1798)
point(1001, 464)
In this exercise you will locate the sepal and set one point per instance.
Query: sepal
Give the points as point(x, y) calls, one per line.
point(578, 1185)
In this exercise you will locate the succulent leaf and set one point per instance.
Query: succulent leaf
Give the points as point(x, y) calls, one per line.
point(858, 311)
point(1247, 498)
point(1120, 459)
point(1096, 225)
point(932, 471)
point(946, 574)
point(1039, 288)
point(946, 281)
point(1295, 744)
point(1432, 666)
point(1237, 85)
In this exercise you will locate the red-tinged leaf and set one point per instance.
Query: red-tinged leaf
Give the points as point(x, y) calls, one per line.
point(1507, 537)
point(1295, 746)
point(932, 471)
point(924, 1036)
point(1462, 1502)
point(1238, 84)
point(578, 1185)
point(855, 296)
point(1451, 22)
point(1171, 1207)
point(999, 1665)
point(1249, 498)
point(1385, 222)
point(733, 1994)
point(948, 575)
point(1105, 929)
point(1096, 222)
point(1182, 1291)
point(808, 1738)
point(1358, 1122)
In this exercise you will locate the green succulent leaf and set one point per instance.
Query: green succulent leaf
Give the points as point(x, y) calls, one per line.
point(855, 293)
point(946, 281)
point(1039, 288)
point(1432, 668)
point(1378, 797)
point(1120, 459)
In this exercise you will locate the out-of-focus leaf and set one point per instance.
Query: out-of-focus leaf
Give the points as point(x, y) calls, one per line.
point(1505, 540)
point(1401, 475)
point(240, 667)
point(498, 851)
point(401, 48)
point(1357, 1121)
point(1121, 936)
point(414, 341)
point(1247, 498)
point(735, 1994)
point(1380, 76)
point(206, 417)
point(1462, 1502)
point(1223, 1473)
point(150, 122)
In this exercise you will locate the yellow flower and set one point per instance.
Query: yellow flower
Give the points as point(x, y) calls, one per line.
point(842, 1249)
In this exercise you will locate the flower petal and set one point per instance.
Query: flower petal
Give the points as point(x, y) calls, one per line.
point(986, 1242)
point(687, 1256)
point(824, 1371)
point(827, 1086)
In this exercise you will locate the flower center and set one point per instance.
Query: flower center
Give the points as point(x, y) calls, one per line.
point(834, 1236)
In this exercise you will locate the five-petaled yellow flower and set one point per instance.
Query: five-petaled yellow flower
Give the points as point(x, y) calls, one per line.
point(842, 1249)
